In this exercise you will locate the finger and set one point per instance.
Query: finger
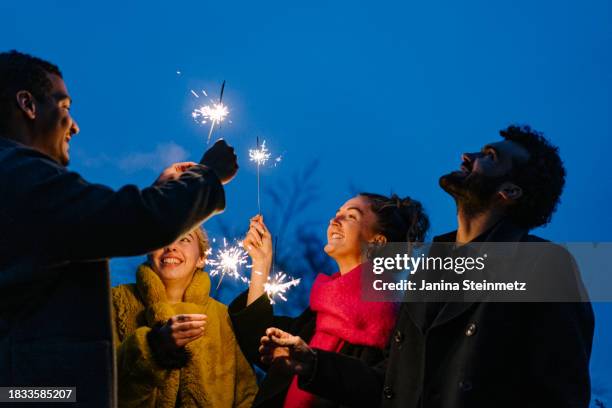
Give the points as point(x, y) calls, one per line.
point(188, 317)
point(259, 228)
point(253, 239)
point(273, 331)
point(265, 350)
point(181, 327)
point(185, 334)
point(184, 342)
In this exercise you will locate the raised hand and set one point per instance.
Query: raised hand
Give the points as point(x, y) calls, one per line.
point(222, 160)
point(258, 242)
point(287, 352)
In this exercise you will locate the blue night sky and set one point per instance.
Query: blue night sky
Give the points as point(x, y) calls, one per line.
point(383, 95)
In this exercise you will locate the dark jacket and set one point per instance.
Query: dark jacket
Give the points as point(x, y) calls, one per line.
point(57, 231)
point(250, 324)
point(473, 354)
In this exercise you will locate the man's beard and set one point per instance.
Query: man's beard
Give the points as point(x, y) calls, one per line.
point(474, 192)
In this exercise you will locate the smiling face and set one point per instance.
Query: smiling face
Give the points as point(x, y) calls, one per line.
point(482, 175)
point(54, 127)
point(179, 260)
point(351, 229)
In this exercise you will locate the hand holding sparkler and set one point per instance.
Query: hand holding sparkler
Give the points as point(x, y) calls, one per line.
point(222, 160)
point(258, 244)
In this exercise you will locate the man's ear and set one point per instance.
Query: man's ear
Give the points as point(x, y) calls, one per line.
point(378, 239)
point(510, 191)
point(27, 103)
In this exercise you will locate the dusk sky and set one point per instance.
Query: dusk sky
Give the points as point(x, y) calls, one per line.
point(384, 96)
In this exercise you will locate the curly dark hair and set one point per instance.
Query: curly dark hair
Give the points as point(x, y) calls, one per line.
point(399, 219)
point(19, 71)
point(542, 177)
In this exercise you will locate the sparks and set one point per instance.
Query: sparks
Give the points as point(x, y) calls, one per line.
point(229, 261)
point(214, 112)
point(260, 155)
point(279, 285)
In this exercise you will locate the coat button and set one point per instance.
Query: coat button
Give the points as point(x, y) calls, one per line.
point(465, 385)
point(388, 392)
point(399, 337)
point(470, 330)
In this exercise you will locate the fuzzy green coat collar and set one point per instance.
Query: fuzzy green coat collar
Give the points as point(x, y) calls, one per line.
point(153, 295)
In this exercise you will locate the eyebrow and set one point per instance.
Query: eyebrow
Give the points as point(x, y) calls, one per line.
point(60, 96)
point(356, 209)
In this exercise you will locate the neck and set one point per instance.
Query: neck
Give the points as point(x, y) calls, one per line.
point(347, 265)
point(175, 290)
point(470, 226)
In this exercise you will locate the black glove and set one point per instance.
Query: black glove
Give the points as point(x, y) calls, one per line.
point(222, 160)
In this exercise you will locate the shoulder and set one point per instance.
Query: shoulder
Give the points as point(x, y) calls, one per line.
point(14, 155)
point(124, 296)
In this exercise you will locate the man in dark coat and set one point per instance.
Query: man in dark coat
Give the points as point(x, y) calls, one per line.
point(476, 354)
point(58, 232)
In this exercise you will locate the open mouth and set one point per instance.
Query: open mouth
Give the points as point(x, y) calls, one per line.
point(171, 260)
point(335, 235)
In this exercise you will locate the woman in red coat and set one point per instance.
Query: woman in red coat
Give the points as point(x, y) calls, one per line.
point(337, 319)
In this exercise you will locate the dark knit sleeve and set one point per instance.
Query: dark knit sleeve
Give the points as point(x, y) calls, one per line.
point(345, 380)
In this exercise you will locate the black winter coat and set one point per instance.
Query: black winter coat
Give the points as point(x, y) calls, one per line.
point(473, 355)
point(250, 324)
point(57, 231)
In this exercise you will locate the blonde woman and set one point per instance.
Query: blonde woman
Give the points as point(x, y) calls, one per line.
point(175, 344)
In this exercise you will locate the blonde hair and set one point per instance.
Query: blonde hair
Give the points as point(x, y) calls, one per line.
point(203, 242)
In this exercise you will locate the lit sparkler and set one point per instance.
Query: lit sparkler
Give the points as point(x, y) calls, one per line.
point(228, 261)
point(260, 155)
point(278, 285)
point(214, 112)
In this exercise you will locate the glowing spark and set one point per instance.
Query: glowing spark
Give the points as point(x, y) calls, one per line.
point(215, 112)
point(260, 155)
point(279, 285)
point(228, 261)
point(178, 72)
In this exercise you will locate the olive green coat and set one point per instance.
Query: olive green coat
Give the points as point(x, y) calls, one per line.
point(217, 374)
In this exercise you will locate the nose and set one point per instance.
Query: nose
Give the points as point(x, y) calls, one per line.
point(74, 129)
point(170, 248)
point(335, 220)
point(468, 157)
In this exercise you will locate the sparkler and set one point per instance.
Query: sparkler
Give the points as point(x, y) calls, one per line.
point(214, 112)
point(279, 285)
point(260, 155)
point(228, 261)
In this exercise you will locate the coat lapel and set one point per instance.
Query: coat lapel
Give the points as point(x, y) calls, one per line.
point(505, 231)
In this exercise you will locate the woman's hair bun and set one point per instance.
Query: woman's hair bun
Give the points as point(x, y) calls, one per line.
point(399, 219)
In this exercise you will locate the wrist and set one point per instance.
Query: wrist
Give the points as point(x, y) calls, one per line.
point(261, 268)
